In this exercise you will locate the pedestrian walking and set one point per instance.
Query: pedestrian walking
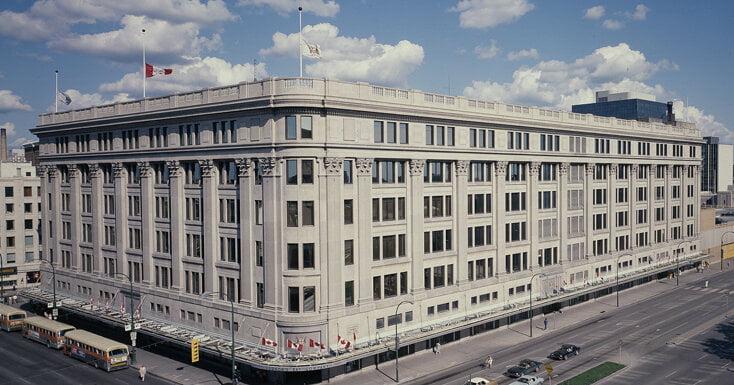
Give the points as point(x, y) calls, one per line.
point(143, 370)
point(545, 323)
point(437, 348)
point(488, 362)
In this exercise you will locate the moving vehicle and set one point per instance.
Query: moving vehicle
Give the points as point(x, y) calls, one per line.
point(96, 350)
point(565, 351)
point(46, 331)
point(528, 380)
point(480, 381)
point(523, 367)
point(11, 319)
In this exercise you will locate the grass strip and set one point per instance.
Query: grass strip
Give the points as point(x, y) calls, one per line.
point(594, 374)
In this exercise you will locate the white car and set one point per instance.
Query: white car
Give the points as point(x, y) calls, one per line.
point(528, 380)
point(480, 381)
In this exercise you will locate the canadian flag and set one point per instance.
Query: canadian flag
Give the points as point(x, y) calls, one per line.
point(151, 71)
point(122, 307)
point(315, 344)
point(293, 345)
point(267, 342)
point(346, 344)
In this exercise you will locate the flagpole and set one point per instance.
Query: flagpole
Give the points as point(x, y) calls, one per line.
point(143, 63)
point(56, 95)
point(300, 41)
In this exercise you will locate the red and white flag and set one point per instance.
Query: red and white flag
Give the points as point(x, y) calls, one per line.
point(315, 344)
point(267, 342)
point(151, 71)
point(293, 345)
point(122, 307)
point(345, 344)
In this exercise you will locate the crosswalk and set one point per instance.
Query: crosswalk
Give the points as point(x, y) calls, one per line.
point(709, 289)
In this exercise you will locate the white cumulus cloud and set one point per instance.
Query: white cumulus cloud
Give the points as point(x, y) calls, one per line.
point(613, 24)
point(594, 13)
point(11, 102)
point(531, 53)
point(560, 84)
point(283, 7)
point(484, 52)
point(490, 13)
point(196, 74)
point(350, 58)
point(640, 12)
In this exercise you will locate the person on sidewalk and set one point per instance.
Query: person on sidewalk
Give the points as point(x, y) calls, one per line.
point(437, 348)
point(545, 323)
point(142, 373)
point(488, 362)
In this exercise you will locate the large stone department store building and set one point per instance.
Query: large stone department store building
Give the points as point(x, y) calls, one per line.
point(319, 205)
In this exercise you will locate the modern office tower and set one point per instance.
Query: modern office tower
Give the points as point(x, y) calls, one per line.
point(718, 165)
point(20, 213)
point(320, 206)
point(628, 105)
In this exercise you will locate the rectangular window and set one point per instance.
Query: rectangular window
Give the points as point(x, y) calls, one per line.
point(290, 127)
point(378, 132)
point(292, 213)
point(294, 300)
point(306, 127)
point(349, 293)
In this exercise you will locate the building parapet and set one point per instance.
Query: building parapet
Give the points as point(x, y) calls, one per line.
point(329, 88)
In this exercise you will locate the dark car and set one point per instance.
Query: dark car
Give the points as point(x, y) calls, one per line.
point(523, 367)
point(565, 351)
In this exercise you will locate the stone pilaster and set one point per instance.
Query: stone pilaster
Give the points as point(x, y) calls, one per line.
point(363, 222)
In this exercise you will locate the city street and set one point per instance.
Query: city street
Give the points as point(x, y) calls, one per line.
point(680, 336)
point(28, 362)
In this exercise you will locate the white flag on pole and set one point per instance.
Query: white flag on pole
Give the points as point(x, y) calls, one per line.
point(311, 50)
point(63, 97)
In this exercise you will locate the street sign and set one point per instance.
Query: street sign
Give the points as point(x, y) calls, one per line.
point(194, 350)
point(128, 327)
point(549, 369)
point(55, 312)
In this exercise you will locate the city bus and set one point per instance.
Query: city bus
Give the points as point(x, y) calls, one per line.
point(46, 331)
point(99, 351)
point(11, 319)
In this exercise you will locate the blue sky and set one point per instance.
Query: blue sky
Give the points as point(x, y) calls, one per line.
point(548, 53)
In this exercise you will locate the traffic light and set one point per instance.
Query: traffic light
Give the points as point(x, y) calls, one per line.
point(195, 350)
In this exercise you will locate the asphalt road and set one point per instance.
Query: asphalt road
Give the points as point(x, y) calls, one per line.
point(27, 362)
point(679, 337)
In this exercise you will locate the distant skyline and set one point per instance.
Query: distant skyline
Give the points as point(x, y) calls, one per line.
point(552, 53)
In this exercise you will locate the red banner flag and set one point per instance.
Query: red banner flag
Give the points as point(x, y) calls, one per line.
point(151, 71)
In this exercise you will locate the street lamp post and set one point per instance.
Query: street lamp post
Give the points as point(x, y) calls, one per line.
point(397, 340)
point(721, 247)
point(617, 283)
point(531, 301)
point(231, 327)
point(133, 332)
point(54, 311)
point(677, 261)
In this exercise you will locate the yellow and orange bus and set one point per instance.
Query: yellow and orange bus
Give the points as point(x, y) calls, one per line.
point(46, 331)
point(11, 319)
point(101, 352)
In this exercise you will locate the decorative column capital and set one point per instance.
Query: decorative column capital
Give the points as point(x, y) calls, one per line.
point(41, 171)
point(94, 170)
point(613, 169)
point(243, 167)
point(534, 168)
point(634, 169)
point(363, 166)
point(590, 168)
point(73, 170)
point(207, 168)
point(462, 167)
point(119, 169)
point(416, 166)
point(500, 168)
point(144, 169)
point(174, 168)
point(52, 170)
point(333, 166)
point(563, 168)
point(270, 166)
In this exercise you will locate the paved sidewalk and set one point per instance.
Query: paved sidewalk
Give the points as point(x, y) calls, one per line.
point(419, 364)
point(477, 348)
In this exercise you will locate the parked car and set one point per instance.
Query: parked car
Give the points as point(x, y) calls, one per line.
point(528, 380)
point(480, 381)
point(523, 367)
point(565, 351)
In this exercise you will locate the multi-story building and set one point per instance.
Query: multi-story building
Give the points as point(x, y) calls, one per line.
point(718, 165)
point(19, 236)
point(319, 205)
point(628, 105)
